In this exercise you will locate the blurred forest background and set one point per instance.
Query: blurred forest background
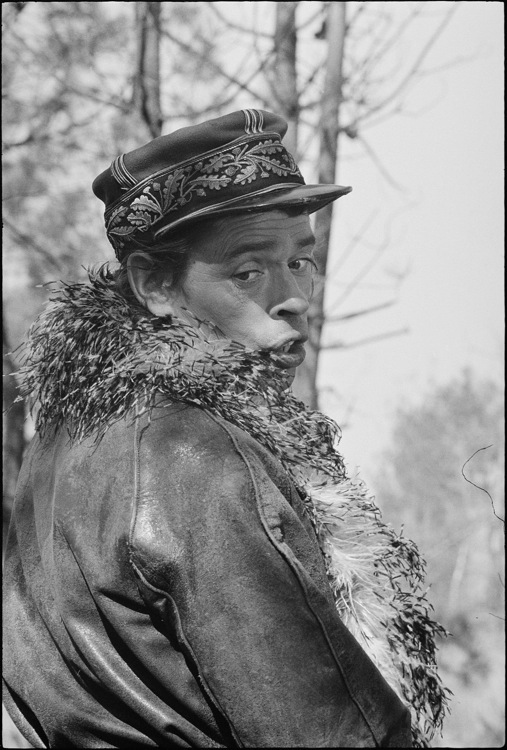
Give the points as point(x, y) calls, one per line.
point(86, 81)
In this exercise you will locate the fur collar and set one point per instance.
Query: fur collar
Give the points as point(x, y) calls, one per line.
point(91, 358)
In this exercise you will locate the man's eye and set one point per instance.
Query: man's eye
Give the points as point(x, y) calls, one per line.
point(247, 275)
point(303, 265)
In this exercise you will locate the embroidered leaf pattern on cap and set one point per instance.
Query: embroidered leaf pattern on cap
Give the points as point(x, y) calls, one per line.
point(240, 165)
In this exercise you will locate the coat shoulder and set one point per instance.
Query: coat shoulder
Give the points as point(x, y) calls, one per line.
point(194, 468)
point(202, 440)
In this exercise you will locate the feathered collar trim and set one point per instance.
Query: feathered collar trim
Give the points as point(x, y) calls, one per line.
point(91, 359)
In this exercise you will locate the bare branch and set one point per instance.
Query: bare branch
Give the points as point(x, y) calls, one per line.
point(384, 42)
point(361, 274)
point(306, 84)
point(359, 12)
point(18, 196)
point(476, 485)
point(235, 26)
point(453, 63)
point(60, 77)
point(383, 171)
point(110, 101)
point(414, 68)
point(28, 240)
point(311, 19)
point(35, 137)
point(361, 79)
point(360, 313)
point(362, 342)
point(196, 53)
point(352, 244)
point(398, 109)
point(254, 31)
point(30, 138)
point(219, 105)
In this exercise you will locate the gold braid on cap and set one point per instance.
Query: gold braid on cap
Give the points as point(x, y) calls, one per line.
point(121, 174)
point(254, 121)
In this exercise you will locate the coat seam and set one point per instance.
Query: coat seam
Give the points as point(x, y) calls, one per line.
point(293, 565)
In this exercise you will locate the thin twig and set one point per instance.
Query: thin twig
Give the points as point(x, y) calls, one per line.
point(236, 26)
point(359, 313)
point(416, 64)
point(368, 340)
point(375, 159)
point(361, 274)
point(476, 485)
point(32, 137)
point(497, 616)
point(27, 240)
point(201, 56)
point(352, 244)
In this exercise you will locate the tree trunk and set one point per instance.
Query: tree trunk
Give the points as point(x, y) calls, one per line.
point(285, 91)
point(146, 97)
point(305, 384)
point(13, 433)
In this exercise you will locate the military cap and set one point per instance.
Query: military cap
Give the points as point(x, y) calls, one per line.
point(225, 165)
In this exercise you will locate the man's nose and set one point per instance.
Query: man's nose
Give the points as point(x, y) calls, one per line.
point(289, 298)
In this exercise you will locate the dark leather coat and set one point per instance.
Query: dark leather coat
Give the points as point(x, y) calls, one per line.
point(165, 589)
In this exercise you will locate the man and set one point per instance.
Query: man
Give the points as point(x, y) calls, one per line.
point(188, 564)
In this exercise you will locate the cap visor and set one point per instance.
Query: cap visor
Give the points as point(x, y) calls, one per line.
point(308, 198)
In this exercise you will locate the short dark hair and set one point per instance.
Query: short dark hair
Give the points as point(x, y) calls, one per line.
point(169, 255)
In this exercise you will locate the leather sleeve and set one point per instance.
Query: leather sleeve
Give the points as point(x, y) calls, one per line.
point(228, 571)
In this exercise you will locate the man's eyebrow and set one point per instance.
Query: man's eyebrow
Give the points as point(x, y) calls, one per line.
point(308, 241)
point(252, 246)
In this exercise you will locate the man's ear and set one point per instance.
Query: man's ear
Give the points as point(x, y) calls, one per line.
point(151, 286)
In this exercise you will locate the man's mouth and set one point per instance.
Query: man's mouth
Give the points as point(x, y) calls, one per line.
point(289, 355)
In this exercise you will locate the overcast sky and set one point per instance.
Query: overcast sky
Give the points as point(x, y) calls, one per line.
point(446, 230)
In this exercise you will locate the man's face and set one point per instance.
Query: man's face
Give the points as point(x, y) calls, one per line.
point(252, 277)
